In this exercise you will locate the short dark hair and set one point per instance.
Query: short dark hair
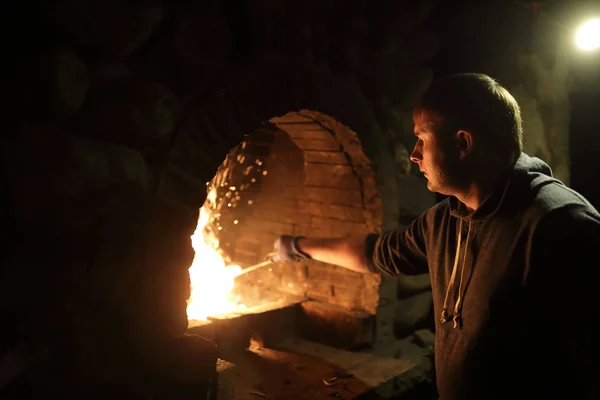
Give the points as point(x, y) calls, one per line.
point(480, 105)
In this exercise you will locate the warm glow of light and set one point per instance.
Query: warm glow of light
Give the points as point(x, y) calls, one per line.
point(588, 35)
point(256, 343)
point(211, 279)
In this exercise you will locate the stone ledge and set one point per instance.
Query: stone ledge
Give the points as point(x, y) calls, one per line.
point(390, 373)
point(224, 387)
point(424, 338)
point(232, 332)
point(335, 326)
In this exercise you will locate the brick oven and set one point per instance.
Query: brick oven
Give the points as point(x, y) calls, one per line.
point(301, 174)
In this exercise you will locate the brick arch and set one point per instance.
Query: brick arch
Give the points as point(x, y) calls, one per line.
point(300, 174)
point(213, 125)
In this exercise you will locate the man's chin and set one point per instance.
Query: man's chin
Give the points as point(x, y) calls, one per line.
point(431, 187)
point(435, 188)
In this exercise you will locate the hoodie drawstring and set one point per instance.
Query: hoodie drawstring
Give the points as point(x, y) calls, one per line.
point(456, 317)
point(444, 317)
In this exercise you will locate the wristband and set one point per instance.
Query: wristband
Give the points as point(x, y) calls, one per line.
point(297, 250)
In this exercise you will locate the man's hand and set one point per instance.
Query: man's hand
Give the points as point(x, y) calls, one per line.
point(286, 249)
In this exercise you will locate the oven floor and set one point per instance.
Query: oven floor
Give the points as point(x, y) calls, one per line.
point(272, 374)
point(303, 370)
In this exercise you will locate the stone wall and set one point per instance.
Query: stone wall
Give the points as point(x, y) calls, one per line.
point(543, 94)
point(118, 113)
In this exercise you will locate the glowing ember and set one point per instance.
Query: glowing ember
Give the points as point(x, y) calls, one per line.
point(211, 279)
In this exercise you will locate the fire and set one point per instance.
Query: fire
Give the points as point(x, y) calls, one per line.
point(212, 281)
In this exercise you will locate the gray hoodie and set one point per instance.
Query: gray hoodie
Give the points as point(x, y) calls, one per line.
point(514, 287)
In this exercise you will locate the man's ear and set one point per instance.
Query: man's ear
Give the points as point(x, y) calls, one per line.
point(464, 142)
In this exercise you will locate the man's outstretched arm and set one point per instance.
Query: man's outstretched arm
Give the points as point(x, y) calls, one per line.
point(348, 252)
point(391, 253)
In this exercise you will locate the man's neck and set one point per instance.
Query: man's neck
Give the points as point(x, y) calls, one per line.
point(480, 188)
point(474, 196)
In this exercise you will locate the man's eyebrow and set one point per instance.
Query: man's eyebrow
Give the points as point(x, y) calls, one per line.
point(423, 129)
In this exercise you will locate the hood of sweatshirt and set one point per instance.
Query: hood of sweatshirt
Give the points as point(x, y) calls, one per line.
point(538, 173)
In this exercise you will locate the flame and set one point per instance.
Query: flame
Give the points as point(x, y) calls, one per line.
point(256, 342)
point(212, 281)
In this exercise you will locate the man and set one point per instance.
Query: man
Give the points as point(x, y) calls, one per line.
point(511, 253)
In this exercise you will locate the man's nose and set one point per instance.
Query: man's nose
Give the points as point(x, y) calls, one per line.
point(416, 155)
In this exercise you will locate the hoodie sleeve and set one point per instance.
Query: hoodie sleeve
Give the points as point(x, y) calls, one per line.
point(564, 276)
point(399, 251)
